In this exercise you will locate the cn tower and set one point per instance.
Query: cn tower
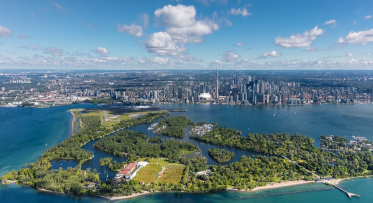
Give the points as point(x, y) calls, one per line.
point(217, 84)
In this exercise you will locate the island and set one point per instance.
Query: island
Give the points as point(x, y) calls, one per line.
point(172, 126)
point(105, 161)
point(154, 165)
point(221, 155)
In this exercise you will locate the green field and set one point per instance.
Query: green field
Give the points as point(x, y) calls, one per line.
point(149, 173)
point(109, 124)
point(173, 174)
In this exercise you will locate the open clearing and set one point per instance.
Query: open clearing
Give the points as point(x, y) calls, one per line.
point(173, 174)
point(149, 173)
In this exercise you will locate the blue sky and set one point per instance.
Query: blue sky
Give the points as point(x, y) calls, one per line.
point(198, 34)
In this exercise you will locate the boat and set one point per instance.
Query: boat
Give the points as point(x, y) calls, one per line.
point(152, 126)
point(274, 114)
point(295, 113)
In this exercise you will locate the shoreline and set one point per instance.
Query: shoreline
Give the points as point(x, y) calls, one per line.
point(287, 184)
point(127, 197)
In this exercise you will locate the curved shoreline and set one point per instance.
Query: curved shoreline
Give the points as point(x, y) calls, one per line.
point(286, 184)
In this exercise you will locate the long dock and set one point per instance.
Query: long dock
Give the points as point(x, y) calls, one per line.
point(349, 194)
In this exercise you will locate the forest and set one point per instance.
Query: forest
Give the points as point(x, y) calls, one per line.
point(172, 126)
point(133, 145)
point(221, 155)
point(297, 148)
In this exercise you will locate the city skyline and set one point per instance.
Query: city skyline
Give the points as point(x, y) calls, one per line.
point(186, 35)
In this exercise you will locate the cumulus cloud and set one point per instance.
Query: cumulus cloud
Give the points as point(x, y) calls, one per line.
point(100, 50)
point(367, 17)
point(300, 40)
point(35, 47)
point(349, 54)
point(132, 29)
point(176, 16)
point(361, 37)
point(182, 25)
point(331, 22)
point(367, 53)
point(239, 11)
point(53, 51)
point(270, 54)
point(230, 56)
point(5, 32)
point(181, 28)
point(23, 36)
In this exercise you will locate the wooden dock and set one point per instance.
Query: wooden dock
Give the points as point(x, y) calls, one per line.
point(349, 194)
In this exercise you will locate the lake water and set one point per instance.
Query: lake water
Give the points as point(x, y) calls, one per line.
point(26, 131)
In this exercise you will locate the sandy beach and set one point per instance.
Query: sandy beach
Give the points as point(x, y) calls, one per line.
point(275, 185)
point(129, 196)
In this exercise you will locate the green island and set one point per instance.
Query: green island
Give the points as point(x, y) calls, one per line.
point(105, 161)
point(133, 145)
point(172, 126)
point(284, 158)
point(221, 155)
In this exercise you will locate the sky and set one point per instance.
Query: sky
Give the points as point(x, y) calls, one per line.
point(186, 34)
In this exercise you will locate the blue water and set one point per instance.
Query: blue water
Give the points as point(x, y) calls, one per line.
point(26, 131)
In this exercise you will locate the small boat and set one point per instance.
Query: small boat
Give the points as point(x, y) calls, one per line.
point(295, 113)
point(248, 129)
point(274, 114)
point(46, 144)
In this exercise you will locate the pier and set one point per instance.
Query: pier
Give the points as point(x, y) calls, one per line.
point(349, 194)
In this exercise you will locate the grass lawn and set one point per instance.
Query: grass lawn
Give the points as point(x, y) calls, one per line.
point(173, 174)
point(149, 173)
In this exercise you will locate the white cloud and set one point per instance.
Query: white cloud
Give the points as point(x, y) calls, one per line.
point(227, 22)
point(53, 51)
point(331, 22)
point(23, 36)
point(181, 28)
point(132, 29)
point(33, 15)
point(239, 11)
point(354, 22)
point(367, 53)
point(361, 37)
point(349, 54)
point(230, 56)
point(300, 40)
point(100, 50)
point(367, 17)
point(159, 60)
point(35, 47)
point(239, 44)
point(270, 54)
point(58, 6)
point(5, 32)
point(176, 16)
point(162, 44)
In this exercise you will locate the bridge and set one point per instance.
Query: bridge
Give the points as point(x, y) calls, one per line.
point(349, 194)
